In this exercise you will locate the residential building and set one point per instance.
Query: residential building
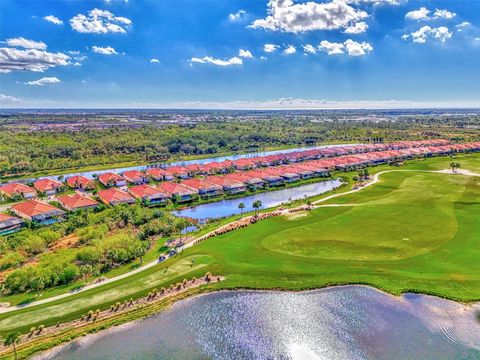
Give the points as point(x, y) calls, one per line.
point(111, 179)
point(37, 211)
point(80, 182)
point(114, 196)
point(48, 186)
point(148, 194)
point(230, 186)
point(204, 188)
point(12, 189)
point(9, 224)
point(178, 192)
point(73, 202)
point(135, 177)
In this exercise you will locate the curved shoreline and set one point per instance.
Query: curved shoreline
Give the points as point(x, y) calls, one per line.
point(152, 309)
point(93, 336)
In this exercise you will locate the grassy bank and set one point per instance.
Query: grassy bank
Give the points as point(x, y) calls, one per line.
point(412, 231)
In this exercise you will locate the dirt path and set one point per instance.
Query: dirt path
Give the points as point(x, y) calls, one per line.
point(194, 241)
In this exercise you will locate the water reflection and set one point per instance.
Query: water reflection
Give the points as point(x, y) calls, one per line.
point(269, 199)
point(338, 323)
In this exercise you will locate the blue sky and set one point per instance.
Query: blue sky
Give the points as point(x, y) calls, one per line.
point(239, 54)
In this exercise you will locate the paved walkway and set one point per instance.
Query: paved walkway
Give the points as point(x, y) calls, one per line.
point(374, 180)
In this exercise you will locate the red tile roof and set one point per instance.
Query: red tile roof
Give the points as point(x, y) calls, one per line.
point(141, 191)
point(156, 173)
point(47, 184)
point(80, 181)
point(16, 188)
point(114, 195)
point(223, 181)
point(198, 184)
point(76, 201)
point(107, 178)
point(34, 208)
point(172, 188)
point(134, 175)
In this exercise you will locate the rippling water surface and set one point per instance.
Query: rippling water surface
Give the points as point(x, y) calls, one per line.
point(350, 322)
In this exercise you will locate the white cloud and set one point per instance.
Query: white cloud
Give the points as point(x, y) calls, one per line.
point(53, 19)
point(285, 15)
point(357, 28)
point(26, 43)
point(270, 48)
point(108, 50)
point(424, 14)
point(462, 25)
point(219, 62)
point(245, 53)
point(154, 61)
point(309, 49)
point(421, 36)
point(443, 14)
point(30, 59)
point(356, 48)
point(7, 99)
point(44, 81)
point(100, 22)
point(420, 14)
point(238, 16)
point(375, 2)
point(331, 48)
point(352, 48)
point(289, 50)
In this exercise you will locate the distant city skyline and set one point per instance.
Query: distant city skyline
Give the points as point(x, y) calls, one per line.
point(276, 54)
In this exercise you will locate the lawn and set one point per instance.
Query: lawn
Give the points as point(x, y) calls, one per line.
point(412, 231)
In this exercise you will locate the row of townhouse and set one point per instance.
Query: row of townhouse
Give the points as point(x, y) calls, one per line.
point(50, 186)
point(209, 186)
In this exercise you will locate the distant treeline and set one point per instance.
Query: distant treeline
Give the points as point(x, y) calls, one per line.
point(24, 152)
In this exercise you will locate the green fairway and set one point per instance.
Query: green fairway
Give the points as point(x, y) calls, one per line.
point(412, 231)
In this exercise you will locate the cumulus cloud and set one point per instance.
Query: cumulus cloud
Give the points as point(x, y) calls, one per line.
point(331, 48)
point(375, 2)
point(26, 43)
point(424, 14)
point(270, 48)
point(285, 15)
point(108, 50)
point(289, 50)
point(100, 22)
point(238, 16)
point(421, 36)
point(12, 59)
point(245, 53)
point(357, 48)
point(357, 28)
point(352, 48)
point(53, 19)
point(7, 99)
point(309, 49)
point(443, 14)
point(154, 61)
point(219, 62)
point(44, 81)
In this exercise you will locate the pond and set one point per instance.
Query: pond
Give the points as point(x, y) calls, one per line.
point(269, 199)
point(350, 322)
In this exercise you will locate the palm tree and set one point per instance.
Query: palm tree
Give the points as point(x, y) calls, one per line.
point(453, 166)
point(12, 339)
point(241, 206)
point(257, 205)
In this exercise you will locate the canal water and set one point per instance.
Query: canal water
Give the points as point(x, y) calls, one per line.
point(89, 174)
point(269, 199)
point(351, 322)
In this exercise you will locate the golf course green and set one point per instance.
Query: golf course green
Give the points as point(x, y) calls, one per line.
point(412, 231)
